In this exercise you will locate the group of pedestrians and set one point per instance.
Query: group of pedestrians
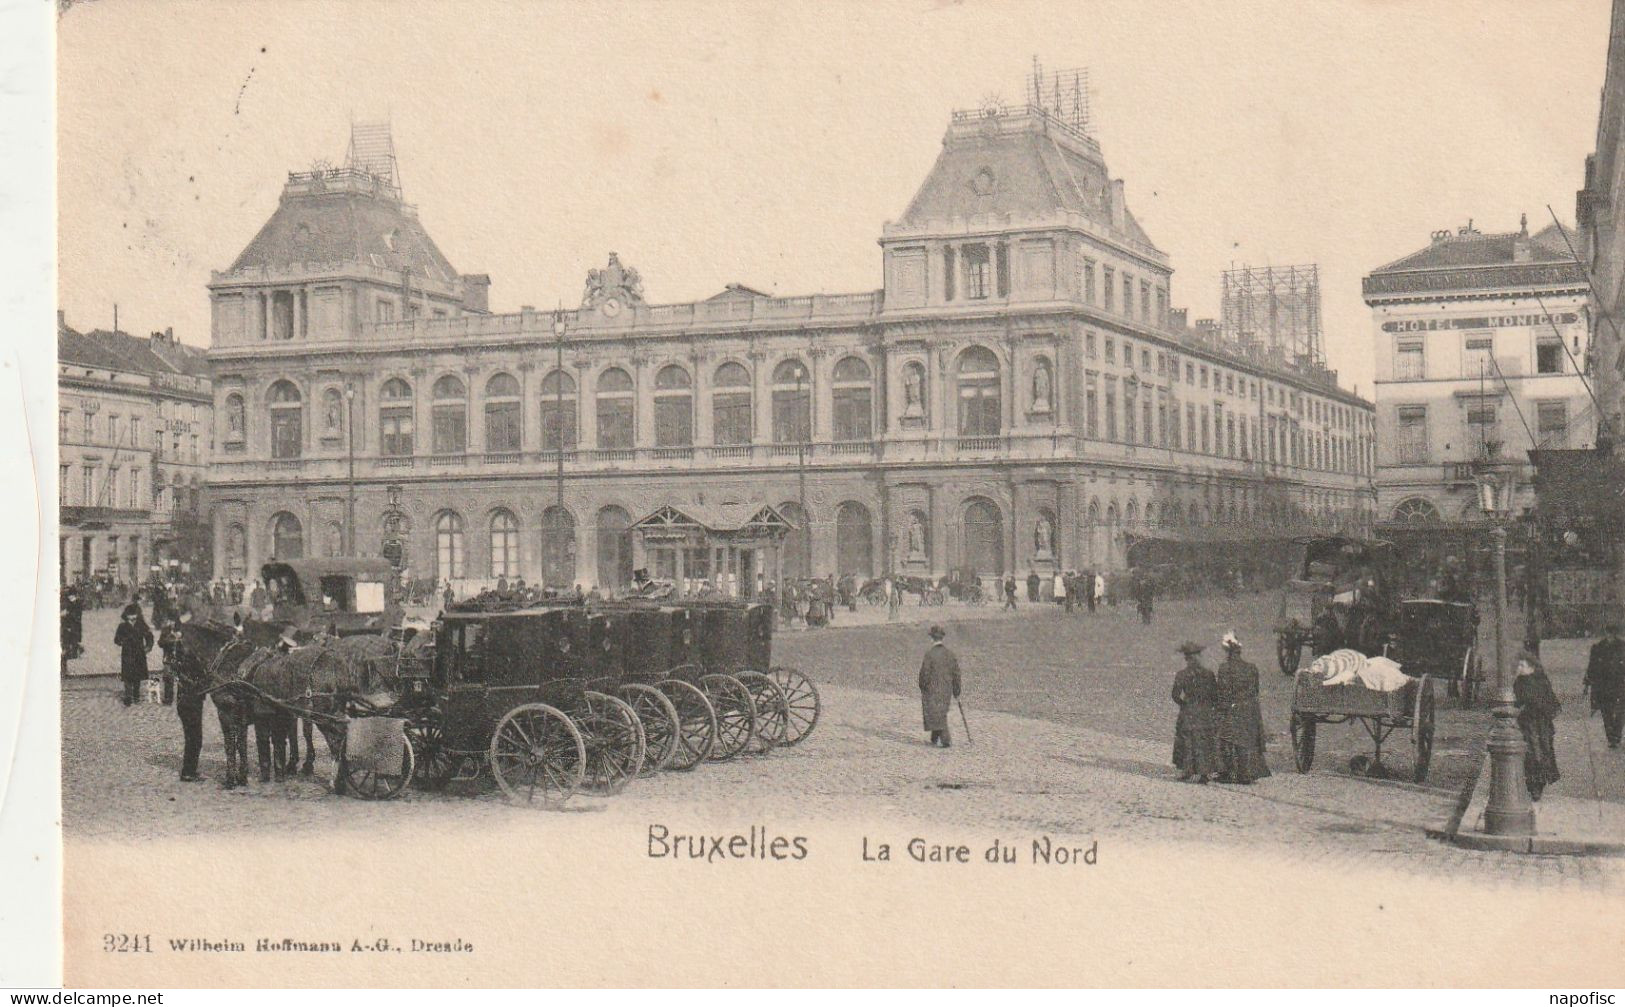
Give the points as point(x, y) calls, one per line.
point(1220, 730)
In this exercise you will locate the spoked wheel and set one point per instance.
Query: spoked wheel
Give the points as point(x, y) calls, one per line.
point(1288, 649)
point(771, 715)
point(614, 739)
point(1422, 730)
point(801, 705)
point(1303, 741)
point(696, 724)
point(374, 786)
point(435, 765)
point(537, 754)
point(661, 726)
point(736, 715)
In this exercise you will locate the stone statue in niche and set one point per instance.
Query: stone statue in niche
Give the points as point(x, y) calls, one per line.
point(1041, 387)
point(234, 417)
point(332, 412)
point(1043, 536)
point(913, 390)
point(916, 537)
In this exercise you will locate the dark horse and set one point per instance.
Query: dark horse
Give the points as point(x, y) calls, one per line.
point(220, 651)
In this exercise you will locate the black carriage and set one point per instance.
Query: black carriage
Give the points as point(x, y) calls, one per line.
point(506, 693)
point(962, 584)
point(737, 639)
point(1410, 709)
point(1340, 596)
point(1440, 639)
point(345, 595)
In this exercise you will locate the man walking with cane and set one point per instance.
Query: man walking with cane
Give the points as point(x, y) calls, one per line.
point(939, 687)
point(1605, 681)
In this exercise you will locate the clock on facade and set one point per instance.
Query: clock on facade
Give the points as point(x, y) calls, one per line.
point(611, 307)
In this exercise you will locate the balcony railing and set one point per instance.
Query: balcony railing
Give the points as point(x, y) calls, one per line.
point(503, 457)
point(395, 461)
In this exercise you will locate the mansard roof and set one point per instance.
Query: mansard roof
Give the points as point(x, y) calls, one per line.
point(1471, 248)
point(337, 219)
point(1020, 164)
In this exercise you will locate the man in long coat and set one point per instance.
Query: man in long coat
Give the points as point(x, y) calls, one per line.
point(1196, 691)
point(1241, 725)
point(134, 640)
point(191, 688)
point(1605, 681)
point(939, 687)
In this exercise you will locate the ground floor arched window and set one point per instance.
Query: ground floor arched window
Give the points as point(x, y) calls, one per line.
point(448, 541)
point(287, 537)
point(558, 547)
point(504, 545)
point(854, 540)
point(983, 537)
point(614, 547)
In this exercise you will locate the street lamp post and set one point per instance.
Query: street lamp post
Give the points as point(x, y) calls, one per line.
point(1509, 811)
point(558, 420)
point(349, 428)
point(803, 422)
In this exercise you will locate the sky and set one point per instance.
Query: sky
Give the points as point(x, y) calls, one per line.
point(766, 144)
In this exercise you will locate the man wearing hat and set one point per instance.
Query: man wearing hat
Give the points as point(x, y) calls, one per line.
point(939, 686)
point(1195, 691)
point(133, 638)
point(1605, 681)
point(1241, 725)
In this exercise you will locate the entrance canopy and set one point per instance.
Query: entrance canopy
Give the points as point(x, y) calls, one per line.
point(729, 549)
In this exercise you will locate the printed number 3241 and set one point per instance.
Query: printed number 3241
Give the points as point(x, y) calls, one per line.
point(127, 942)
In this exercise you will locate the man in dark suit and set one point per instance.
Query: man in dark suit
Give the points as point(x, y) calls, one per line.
point(939, 687)
point(1605, 681)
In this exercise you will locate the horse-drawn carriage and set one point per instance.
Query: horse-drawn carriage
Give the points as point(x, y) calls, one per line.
point(348, 596)
point(1340, 596)
point(925, 592)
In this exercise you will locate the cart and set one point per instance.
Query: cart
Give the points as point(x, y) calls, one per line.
point(1440, 638)
point(1380, 713)
point(1340, 595)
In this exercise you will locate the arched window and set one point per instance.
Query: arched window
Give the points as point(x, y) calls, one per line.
point(1131, 513)
point(853, 412)
point(1150, 514)
point(450, 414)
point(448, 546)
point(984, 537)
point(730, 405)
point(854, 541)
point(332, 413)
point(504, 545)
point(796, 558)
point(287, 537)
point(287, 414)
point(235, 426)
point(1094, 512)
point(614, 547)
point(502, 417)
point(616, 411)
point(159, 502)
point(978, 384)
point(674, 408)
point(1417, 509)
point(558, 412)
point(236, 558)
point(395, 432)
point(792, 403)
point(558, 548)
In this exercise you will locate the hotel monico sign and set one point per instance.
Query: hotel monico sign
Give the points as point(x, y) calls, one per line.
point(1482, 322)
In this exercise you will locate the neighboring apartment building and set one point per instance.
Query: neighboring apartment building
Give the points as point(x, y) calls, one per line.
point(1019, 396)
point(1601, 209)
point(1481, 342)
point(134, 430)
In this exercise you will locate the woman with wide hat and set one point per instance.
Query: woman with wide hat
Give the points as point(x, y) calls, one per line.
point(1241, 724)
point(133, 638)
point(1195, 690)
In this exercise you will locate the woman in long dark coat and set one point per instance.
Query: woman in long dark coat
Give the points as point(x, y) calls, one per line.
point(1196, 691)
point(939, 686)
point(134, 640)
point(1537, 708)
point(1241, 724)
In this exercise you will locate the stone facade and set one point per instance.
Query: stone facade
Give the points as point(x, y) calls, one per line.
point(1019, 396)
point(1481, 342)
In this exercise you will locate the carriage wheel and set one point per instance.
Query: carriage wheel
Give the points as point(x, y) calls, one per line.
point(736, 715)
point(661, 727)
point(696, 724)
point(1288, 649)
point(874, 599)
point(614, 739)
point(801, 704)
point(1422, 729)
point(1303, 740)
point(771, 714)
point(537, 752)
point(371, 786)
point(435, 765)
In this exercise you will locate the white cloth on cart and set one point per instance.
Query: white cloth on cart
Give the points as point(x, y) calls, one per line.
point(1341, 667)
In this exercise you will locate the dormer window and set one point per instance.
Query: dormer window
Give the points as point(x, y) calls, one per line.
point(978, 272)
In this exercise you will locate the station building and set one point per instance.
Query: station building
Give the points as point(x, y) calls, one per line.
point(1018, 396)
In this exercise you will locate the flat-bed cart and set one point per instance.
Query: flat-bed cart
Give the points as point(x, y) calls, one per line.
point(1410, 709)
point(1440, 639)
point(504, 696)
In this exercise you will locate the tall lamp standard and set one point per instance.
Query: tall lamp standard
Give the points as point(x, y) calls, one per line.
point(1509, 811)
point(803, 422)
point(558, 420)
point(349, 428)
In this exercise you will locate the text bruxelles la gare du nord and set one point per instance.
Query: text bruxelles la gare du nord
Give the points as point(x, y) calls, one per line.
point(760, 844)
